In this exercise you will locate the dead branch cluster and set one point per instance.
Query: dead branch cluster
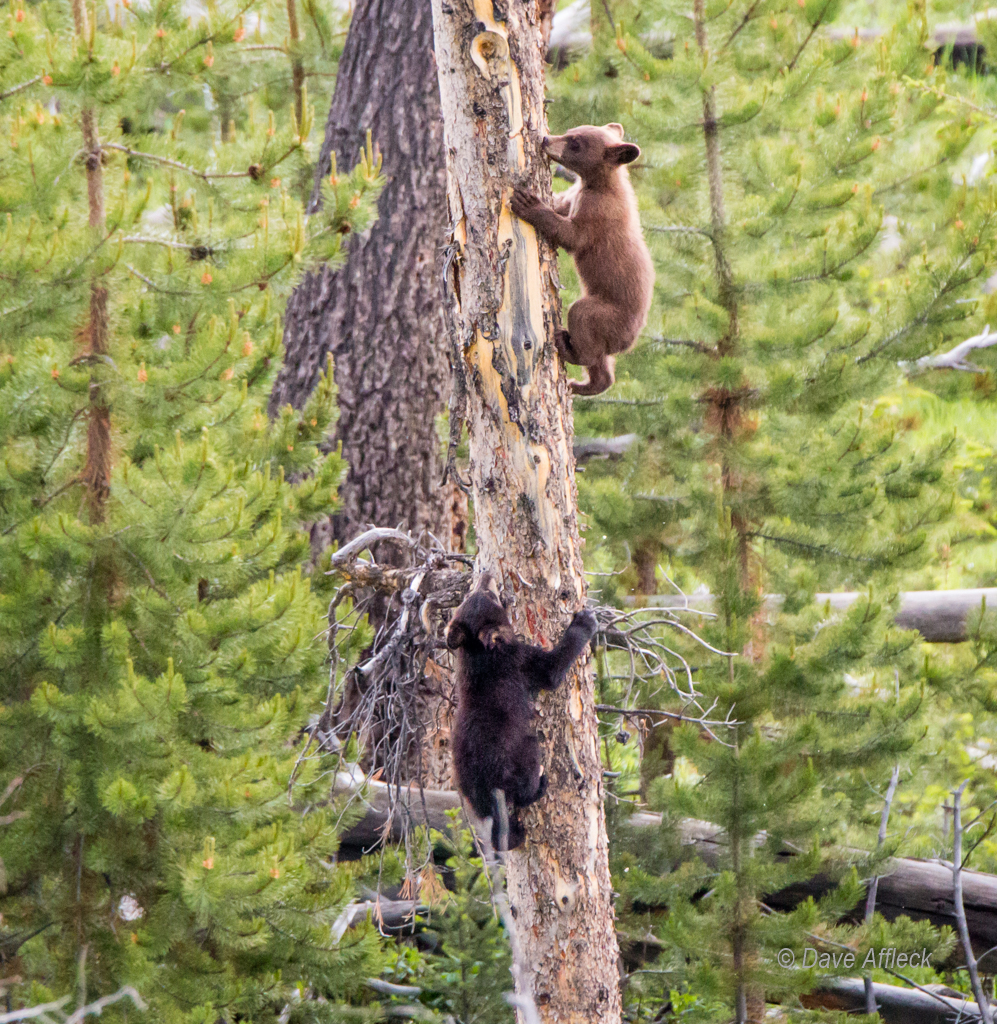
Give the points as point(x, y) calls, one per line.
point(396, 697)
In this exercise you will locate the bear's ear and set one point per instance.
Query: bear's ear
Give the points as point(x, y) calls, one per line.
point(614, 127)
point(457, 635)
point(623, 153)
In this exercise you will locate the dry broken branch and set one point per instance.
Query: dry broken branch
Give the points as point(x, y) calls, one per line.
point(53, 1013)
point(870, 902)
point(955, 358)
point(349, 552)
point(960, 908)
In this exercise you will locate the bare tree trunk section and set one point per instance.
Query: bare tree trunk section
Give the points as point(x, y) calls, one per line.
point(519, 421)
point(380, 315)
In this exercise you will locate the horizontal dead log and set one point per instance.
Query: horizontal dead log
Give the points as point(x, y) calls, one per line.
point(949, 33)
point(919, 889)
point(938, 615)
point(391, 916)
point(586, 448)
point(897, 1005)
point(571, 36)
point(413, 808)
point(387, 988)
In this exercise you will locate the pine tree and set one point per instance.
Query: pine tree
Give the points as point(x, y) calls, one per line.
point(469, 973)
point(161, 651)
point(767, 461)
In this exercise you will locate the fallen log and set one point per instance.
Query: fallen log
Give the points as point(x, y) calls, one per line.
point(390, 813)
point(938, 615)
point(918, 889)
point(957, 34)
point(896, 1005)
point(571, 36)
point(585, 448)
point(391, 916)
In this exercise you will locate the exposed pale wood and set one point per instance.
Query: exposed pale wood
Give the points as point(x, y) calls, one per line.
point(949, 33)
point(353, 548)
point(390, 915)
point(939, 615)
point(504, 285)
point(955, 358)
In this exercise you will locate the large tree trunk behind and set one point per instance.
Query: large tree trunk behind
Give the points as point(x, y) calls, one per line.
point(381, 314)
point(381, 317)
point(519, 422)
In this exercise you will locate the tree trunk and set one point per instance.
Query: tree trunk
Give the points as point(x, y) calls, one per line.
point(380, 315)
point(519, 422)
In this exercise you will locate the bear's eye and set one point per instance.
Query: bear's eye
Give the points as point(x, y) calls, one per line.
point(574, 144)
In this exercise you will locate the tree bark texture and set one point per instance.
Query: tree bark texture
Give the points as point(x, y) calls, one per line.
point(504, 287)
point(381, 315)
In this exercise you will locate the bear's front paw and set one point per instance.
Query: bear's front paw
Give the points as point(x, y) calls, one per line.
point(524, 203)
point(586, 620)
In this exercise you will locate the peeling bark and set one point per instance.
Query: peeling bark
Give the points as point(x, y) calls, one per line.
point(504, 283)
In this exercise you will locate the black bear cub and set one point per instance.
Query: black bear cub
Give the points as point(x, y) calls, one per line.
point(494, 744)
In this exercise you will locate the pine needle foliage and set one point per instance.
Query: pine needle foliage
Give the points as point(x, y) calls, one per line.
point(470, 972)
point(161, 637)
point(774, 152)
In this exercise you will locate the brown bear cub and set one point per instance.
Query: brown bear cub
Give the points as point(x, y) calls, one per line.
point(596, 221)
point(494, 745)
